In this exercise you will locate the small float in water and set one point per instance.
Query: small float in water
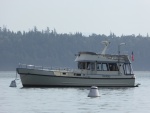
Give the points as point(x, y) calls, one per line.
point(94, 92)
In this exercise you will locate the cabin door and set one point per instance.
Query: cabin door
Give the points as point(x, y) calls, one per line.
point(92, 70)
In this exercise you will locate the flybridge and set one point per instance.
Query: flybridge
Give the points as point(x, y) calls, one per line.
point(92, 56)
point(101, 57)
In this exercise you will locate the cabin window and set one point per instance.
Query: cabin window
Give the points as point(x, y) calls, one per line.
point(86, 65)
point(105, 67)
point(99, 67)
point(127, 69)
point(113, 67)
point(81, 65)
point(92, 66)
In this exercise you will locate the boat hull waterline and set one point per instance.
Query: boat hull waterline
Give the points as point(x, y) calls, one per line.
point(34, 80)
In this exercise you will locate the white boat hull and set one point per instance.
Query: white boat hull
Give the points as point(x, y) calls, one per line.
point(43, 79)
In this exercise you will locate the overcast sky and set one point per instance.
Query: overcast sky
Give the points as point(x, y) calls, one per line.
point(87, 16)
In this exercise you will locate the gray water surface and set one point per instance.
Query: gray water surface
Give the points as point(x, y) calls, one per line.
point(74, 100)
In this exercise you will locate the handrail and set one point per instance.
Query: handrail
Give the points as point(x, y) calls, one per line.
point(43, 68)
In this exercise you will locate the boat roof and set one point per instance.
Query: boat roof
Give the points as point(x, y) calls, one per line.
point(91, 56)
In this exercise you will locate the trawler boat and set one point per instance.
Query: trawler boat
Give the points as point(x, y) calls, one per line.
point(93, 69)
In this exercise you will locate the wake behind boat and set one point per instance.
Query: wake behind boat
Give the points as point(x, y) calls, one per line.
point(93, 70)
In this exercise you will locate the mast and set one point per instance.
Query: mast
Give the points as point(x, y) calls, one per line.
point(106, 43)
point(119, 56)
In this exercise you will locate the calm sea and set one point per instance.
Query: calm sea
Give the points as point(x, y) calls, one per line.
point(74, 100)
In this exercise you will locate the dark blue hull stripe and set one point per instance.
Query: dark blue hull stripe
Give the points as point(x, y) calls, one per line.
point(69, 86)
point(28, 74)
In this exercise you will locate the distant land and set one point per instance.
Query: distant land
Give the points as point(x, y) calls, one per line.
point(51, 49)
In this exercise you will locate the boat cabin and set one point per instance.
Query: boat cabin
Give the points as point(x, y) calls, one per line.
point(98, 62)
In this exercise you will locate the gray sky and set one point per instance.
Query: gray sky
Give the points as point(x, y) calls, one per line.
point(87, 16)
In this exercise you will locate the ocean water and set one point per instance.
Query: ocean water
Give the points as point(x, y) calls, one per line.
point(74, 100)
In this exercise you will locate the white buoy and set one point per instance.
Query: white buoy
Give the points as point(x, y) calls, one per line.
point(94, 92)
point(13, 84)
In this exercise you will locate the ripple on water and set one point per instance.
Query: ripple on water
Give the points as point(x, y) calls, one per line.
point(74, 100)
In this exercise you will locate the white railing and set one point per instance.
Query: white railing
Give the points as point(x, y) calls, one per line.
point(58, 69)
point(43, 68)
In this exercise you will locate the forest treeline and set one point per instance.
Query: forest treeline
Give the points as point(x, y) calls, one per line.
point(49, 48)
